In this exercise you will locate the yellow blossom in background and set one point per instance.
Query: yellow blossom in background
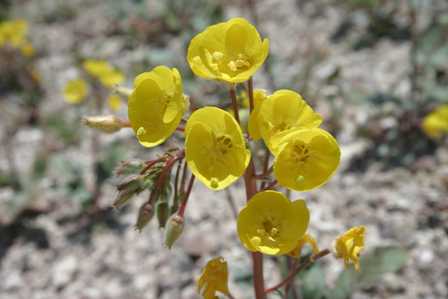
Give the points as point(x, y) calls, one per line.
point(349, 246)
point(215, 148)
point(306, 158)
point(435, 124)
point(27, 49)
point(75, 91)
point(114, 102)
point(282, 111)
point(307, 239)
point(271, 224)
point(231, 51)
point(214, 278)
point(103, 71)
point(156, 105)
point(13, 33)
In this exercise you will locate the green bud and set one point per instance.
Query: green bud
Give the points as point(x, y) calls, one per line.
point(145, 214)
point(162, 212)
point(173, 230)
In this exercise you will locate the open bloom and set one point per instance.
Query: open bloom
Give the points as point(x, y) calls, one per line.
point(214, 278)
point(75, 91)
point(156, 105)
point(349, 246)
point(282, 111)
point(215, 148)
point(231, 51)
point(435, 124)
point(104, 72)
point(306, 158)
point(271, 224)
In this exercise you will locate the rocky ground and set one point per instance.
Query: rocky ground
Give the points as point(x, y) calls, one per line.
point(64, 254)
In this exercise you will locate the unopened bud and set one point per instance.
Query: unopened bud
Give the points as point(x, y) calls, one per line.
point(162, 212)
point(124, 91)
point(144, 216)
point(126, 190)
point(106, 124)
point(173, 229)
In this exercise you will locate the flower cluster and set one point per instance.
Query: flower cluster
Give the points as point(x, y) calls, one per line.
point(13, 34)
point(219, 149)
point(77, 90)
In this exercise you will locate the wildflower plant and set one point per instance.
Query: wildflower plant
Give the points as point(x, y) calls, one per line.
point(219, 149)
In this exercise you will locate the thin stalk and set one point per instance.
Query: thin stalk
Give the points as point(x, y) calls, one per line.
point(250, 91)
point(183, 205)
point(297, 269)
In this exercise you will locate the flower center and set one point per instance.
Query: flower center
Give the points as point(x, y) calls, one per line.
point(269, 229)
point(300, 152)
point(224, 144)
point(240, 63)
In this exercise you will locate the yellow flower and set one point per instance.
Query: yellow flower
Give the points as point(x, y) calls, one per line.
point(215, 148)
point(214, 278)
point(13, 32)
point(114, 102)
point(435, 124)
point(75, 91)
point(282, 111)
point(271, 224)
point(254, 125)
point(156, 105)
point(27, 49)
point(349, 246)
point(104, 72)
point(307, 158)
point(307, 239)
point(231, 51)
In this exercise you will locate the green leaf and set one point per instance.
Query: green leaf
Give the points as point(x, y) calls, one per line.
point(374, 265)
point(313, 283)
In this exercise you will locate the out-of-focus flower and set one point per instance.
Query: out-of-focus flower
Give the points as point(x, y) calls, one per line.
point(156, 105)
point(435, 124)
point(271, 224)
point(231, 51)
point(215, 148)
point(104, 72)
point(214, 278)
point(114, 102)
point(349, 246)
point(27, 49)
point(306, 158)
point(75, 91)
point(106, 124)
point(307, 239)
point(282, 111)
point(13, 33)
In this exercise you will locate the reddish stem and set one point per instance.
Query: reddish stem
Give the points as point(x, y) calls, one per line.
point(297, 269)
point(186, 197)
point(250, 88)
point(232, 92)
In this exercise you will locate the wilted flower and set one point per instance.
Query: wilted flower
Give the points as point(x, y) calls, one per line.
point(307, 239)
point(306, 158)
point(156, 105)
point(214, 278)
point(215, 148)
point(231, 51)
point(435, 124)
point(349, 246)
point(282, 111)
point(271, 224)
point(75, 91)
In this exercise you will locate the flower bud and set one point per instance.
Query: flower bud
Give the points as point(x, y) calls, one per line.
point(173, 230)
point(127, 189)
point(144, 216)
point(106, 124)
point(162, 212)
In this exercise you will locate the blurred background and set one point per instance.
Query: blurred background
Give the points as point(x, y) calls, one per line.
point(374, 69)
